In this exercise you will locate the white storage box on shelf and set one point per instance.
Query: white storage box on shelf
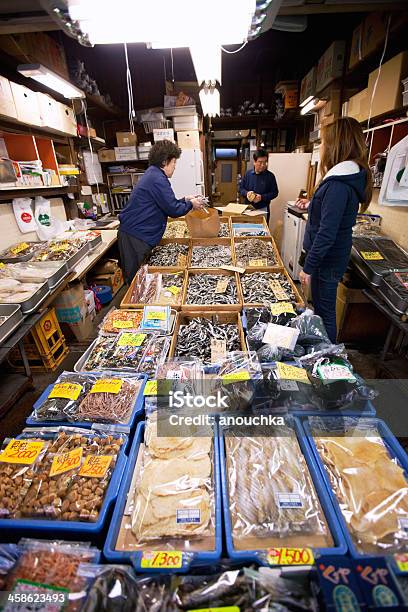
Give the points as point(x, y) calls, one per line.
point(189, 139)
point(126, 153)
point(186, 123)
point(68, 119)
point(51, 116)
point(26, 102)
point(7, 106)
point(180, 111)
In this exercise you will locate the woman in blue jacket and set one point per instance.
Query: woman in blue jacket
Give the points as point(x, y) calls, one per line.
point(152, 201)
point(332, 213)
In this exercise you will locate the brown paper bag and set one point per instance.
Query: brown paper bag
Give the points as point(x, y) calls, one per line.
point(202, 224)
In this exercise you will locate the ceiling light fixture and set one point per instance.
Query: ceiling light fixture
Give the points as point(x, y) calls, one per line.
point(50, 79)
point(207, 63)
point(210, 101)
point(312, 106)
point(306, 101)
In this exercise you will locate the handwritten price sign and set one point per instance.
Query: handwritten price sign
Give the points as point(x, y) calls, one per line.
point(21, 451)
point(107, 385)
point(290, 556)
point(66, 391)
point(162, 559)
point(66, 462)
point(95, 466)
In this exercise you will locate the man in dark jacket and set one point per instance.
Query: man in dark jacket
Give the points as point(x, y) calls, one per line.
point(143, 221)
point(259, 186)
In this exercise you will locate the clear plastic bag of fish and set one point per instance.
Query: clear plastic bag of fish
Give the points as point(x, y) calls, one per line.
point(67, 393)
point(237, 379)
point(285, 388)
point(370, 485)
point(154, 354)
point(128, 351)
point(272, 498)
point(311, 329)
point(337, 384)
point(112, 588)
point(257, 323)
point(146, 287)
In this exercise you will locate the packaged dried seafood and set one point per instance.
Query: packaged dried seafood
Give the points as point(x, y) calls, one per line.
point(14, 292)
point(16, 252)
point(237, 378)
point(29, 272)
point(154, 354)
point(57, 250)
point(171, 286)
point(110, 400)
point(176, 229)
point(211, 256)
point(194, 339)
point(369, 483)
point(145, 287)
point(174, 491)
point(285, 388)
point(272, 497)
point(211, 289)
point(255, 252)
point(103, 347)
point(67, 392)
point(118, 320)
point(266, 288)
point(169, 255)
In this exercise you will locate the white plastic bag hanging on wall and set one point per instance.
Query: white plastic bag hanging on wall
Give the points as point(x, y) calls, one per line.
point(47, 226)
point(42, 212)
point(24, 215)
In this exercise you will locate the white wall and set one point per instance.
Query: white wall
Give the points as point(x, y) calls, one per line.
point(9, 231)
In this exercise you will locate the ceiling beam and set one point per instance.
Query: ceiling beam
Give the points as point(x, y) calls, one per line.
point(22, 25)
point(363, 7)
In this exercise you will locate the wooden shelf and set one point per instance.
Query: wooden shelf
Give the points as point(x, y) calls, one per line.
point(96, 106)
point(6, 195)
point(82, 141)
point(8, 124)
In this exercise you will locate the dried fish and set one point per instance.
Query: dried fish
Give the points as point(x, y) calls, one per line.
point(257, 288)
point(224, 230)
point(167, 255)
point(176, 229)
point(202, 289)
point(110, 406)
point(254, 249)
point(194, 339)
point(211, 256)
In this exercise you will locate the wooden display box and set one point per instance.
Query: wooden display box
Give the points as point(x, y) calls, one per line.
point(184, 317)
point(209, 242)
point(185, 307)
point(186, 241)
point(126, 303)
point(279, 263)
point(259, 220)
point(299, 299)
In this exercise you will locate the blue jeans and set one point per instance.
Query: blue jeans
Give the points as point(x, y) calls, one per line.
point(324, 291)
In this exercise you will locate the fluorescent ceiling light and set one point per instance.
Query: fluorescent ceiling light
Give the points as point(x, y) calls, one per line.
point(185, 23)
point(314, 105)
point(50, 79)
point(207, 63)
point(210, 101)
point(306, 101)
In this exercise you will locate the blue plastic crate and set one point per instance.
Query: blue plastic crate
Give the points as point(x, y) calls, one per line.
point(395, 450)
point(259, 556)
point(134, 558)
point(367, 407)
point(81, 529)
point(137, 412)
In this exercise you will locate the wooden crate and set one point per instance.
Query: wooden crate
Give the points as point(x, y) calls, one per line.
point(260, 220)
point(209, 242)
point(279, 265)
point(126, 303)
point(185, 317)
point(212, 307)
point(299, 299)
point(186, 241)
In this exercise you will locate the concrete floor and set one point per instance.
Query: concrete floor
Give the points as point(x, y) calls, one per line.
point(13, 422)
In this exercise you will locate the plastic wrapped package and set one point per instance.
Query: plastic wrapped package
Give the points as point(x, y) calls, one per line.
point(9, 554)
point(16, 478)
point(110, 400)
point(237, 379)
point(52, 567)
point(57, 250)
point(311, 329)
point(29, 272)
point(378, 256)
point(272, 498)
point(121, 352)
point(102, 347)
point(285, 387)
point(19, 250)
point(174, 494)
point(171, 289)
point(154, 354)
point(145, 287)
point(68, 390)
point(14, 292)
point(118, 320)
point(369, 484)
point(113, 589)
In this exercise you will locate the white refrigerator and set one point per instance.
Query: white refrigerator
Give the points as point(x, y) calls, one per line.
point(188, 177)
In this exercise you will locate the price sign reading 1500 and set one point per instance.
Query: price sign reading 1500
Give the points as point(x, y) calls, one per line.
point(290, 556)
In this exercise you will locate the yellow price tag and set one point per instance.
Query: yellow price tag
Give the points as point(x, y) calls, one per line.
point(162, 559)
point(281, 308)
point(401, 559)
point(65, 462)
point(129, 339)
point(235, 377)
point(95, 466)
point(2, 265)
point(19, 248)
point(156, 315)
point(289, 372)
point(173, 289)
point(122, 323)
point(371, 255)
point(150, 388)
point(258, 262)
point(290, 556)
point(107, 385)
point(21, 451)
point(66, 391)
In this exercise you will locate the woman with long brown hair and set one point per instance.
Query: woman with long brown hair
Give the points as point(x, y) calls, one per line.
point(345, 185)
